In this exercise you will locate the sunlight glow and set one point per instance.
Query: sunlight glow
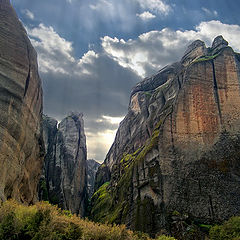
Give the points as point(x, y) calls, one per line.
point(113, 120)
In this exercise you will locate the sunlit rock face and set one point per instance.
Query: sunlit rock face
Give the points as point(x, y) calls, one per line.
point(21, 147)
point(177, 150)
point(64, 180)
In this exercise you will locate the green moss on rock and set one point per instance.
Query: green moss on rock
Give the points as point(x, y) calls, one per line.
point(112, 204)
point(101, 201)
point(206, 58)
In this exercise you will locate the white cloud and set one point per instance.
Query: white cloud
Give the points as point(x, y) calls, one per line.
point(153, 50)
point(209, 12)
point(87, 58)
point(54, 52)
point(146, 15)
point(28, 14)
point(158, 6)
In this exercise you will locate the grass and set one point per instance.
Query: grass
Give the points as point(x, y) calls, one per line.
point(206, 58)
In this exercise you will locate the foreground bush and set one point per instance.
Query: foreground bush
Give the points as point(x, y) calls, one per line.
point(46, 222)
point(230, 230)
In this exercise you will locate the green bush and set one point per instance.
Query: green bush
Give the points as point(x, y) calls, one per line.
point(46, 222)
point(39, 222)
point(163, 237)
point(230, 230)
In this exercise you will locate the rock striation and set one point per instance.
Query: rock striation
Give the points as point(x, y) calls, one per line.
point(64, 180)
point(21, 146)
point(92, 167)
point(176, 154)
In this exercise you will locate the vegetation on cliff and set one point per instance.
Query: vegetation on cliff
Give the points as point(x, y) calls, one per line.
point(46, 222)
point(110, 204)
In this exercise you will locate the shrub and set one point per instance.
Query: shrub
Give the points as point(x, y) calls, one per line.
point(163, 237)
point(230, 230)
point(46, 222)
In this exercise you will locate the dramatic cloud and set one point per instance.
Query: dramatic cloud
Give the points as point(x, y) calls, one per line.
point(146, 15)
point(99, 83)
point(155, 49)
point(208, 30)
point(54, 52)
point(158, 6)
point(28, 14)
point(94, 84)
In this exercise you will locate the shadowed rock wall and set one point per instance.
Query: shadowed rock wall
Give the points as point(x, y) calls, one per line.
point(64, 181)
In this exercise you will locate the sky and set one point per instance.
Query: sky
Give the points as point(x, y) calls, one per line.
point(91, 53)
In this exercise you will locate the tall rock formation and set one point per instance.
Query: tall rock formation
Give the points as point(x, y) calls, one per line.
point(21, 148)
point(176, 154)
point(65, 180)
point(92, 167)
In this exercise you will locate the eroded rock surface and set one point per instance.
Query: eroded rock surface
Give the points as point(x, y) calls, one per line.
point(21, 147)
point(64, 180)
point(92, 167)
point(177, 150)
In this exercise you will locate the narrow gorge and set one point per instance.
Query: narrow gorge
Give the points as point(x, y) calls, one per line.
point(173, 168)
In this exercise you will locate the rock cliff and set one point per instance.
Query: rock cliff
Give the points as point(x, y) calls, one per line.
point(21, 147)
point(64, 180)
point(92, 167)
point(176, 154)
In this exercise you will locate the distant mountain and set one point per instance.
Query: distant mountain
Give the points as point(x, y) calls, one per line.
point(176, 156)
point(92, 167)
point(21, 145)
point(64, 180)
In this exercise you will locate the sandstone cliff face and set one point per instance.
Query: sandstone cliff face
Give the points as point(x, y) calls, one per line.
point(177, 150)
point(21, 148)
point(65, 180)
point(92, 167)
